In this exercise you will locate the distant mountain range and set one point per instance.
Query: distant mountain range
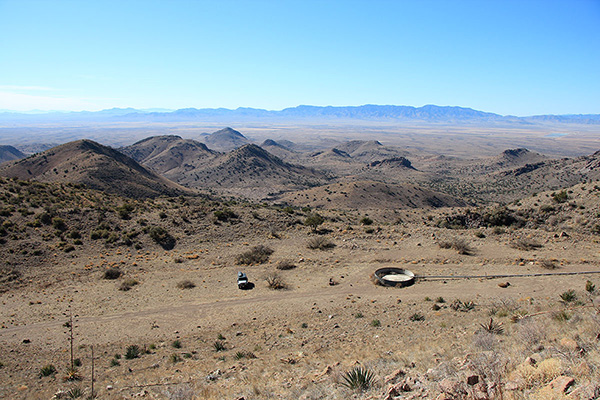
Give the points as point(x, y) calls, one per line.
point(428, 113)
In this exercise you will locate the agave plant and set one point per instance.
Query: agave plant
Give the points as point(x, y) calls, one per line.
point(493, 327)
point(359, 378)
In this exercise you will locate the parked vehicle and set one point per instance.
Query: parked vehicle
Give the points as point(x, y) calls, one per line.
point(242, 280)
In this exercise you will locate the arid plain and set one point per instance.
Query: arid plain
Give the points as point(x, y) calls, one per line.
point(140, 243)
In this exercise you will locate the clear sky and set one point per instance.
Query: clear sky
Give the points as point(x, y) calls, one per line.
point(518, 57)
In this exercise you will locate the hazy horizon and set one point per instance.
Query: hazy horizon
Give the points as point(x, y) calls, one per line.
point(509, 58)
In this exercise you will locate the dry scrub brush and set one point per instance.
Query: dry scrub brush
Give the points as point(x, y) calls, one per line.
point(256, 255)
point(320, 243)
point(460, 245)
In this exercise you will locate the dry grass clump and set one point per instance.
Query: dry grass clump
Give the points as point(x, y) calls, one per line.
point(256, 255)
point(128, 284)
point(540, 374)
point(320, 243)
point(285, 265)
point(460, 245)
point(275, 281)
point(548, 264)
point(187, 284)
point(525, 244)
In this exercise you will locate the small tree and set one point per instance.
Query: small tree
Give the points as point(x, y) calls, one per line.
point(314, 220)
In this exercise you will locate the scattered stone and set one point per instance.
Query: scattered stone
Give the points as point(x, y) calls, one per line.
point(587, 392)
point(530, 361)
point(561, 384)
point(213, 376)
point(393, 377)
point(569, 344)
point(26, 341)
point(472, 380)
point(109, 387)
point(504, 284)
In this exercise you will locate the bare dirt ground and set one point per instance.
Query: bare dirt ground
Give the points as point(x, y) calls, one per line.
point(297, 342)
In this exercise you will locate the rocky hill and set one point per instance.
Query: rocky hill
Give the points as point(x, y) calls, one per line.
point(370, 195)
point(10, 153)
point(226, 139)
point(95, 166)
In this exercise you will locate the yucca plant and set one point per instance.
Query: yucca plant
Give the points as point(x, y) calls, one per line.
point(568, 296)
point(219, 346)
point(359, 378)
point(47, 370)
point(493, 327)
point(75, 393)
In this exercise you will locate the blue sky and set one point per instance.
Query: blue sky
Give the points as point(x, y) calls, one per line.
point(510, 57)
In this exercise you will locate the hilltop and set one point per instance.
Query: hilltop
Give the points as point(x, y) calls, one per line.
point(92, 165)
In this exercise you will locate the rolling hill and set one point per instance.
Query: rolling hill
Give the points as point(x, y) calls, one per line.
point(95, 166)
point(10, 153)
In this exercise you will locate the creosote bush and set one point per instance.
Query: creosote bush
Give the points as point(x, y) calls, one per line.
point(112, 273)
point(275, 281)
point(128, 284)
point(162, 237)
point(186, 284)
point(320, 243)
point(285, 265)
point(460, 245)
point(256, 255)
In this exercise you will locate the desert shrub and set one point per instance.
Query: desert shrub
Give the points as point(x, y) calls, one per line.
point(548, 264)
point(124, 211)
point(219, 346)
point(114, 362)
point(112, 273)
point(359, 378)
point(366, 221)
point(45, 218)
point(492, 327)
point(285, 265)
point(561, 316)
point(530, 333)
point(547, 208)
point(59, 224)
point(74, 235)
point(480, 234)
point(464, 306)
point(244, 354)
point(569, 296)
point(590, 287)
point(161, 236)
point(524, 244)
point(560, 197)
point(460, 245)
point(186, 284)
point(375, 323)
point(99, 234)
point(440, 299)
point(132, 352)
point(275, 281)
point(47, 370)
point(128, 284)
point(359, 315)
point(176, 344)
point(417, 317)
point(320, 243)
point(175, 358)
point(313, 221)
point(225, 215)
point(256, 255)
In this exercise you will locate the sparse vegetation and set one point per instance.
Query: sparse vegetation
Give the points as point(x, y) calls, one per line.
point(132, 352)
point(359, 378)
point(319, 243)
point(314, 221)
point(285, 265)
point(275, 281)
point(48, 370)
point(460, 245)
point(128, 284)
point(524, 244)
point(161, 236)
point(257, 255)
point(112, 273)
point(186, 284)
point(219, 346)
point(569, 296)
point(492, 327)
point(417, 317)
